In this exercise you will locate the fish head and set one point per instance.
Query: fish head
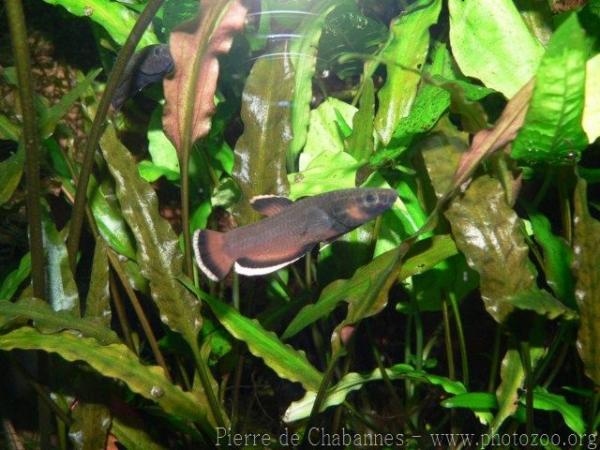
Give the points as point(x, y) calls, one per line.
point(357, 206)
point(157, 61)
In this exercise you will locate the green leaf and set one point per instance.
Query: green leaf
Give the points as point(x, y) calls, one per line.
point(304, 61)
point(56, 112)
point(324, 135)
point(176, 12)
point(360, 145)
point(61, 289)
point(353, 381)
point(287, 362)
point(489, 234)
point(440, 248)
point(542, 303)
point(557, 259)
point(11, 170)
point(261, 150)
point(158, 256)
point(475, 401)
point(97, 304)
point(408, 45)
point(326, 172)
point(491, 42)
point(48, 321)
point(13, 280)
point(552, 131)
point(591, 111)
point(117, 19)
point(164, 156)
point(586, 260)
point(91, 422)
point(8, 130)
point(571, 414)
point(113, 361)
point(132, 436)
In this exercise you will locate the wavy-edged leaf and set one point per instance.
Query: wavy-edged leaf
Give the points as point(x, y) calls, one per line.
point(552, 132)
point(113, 361)
point(132, 436)
point(91, 422)
point(116, 18)
point(586, 260)
point(11, 171)
point(287, 362)
point(408, 44)
point(354, 381)
point(261, 150)
point(571, 414)
point(48, 321)
point(491, 42)
point(61, 289)
point(97, 304)
point(591, 111)
point(13, 280)
point(158, 254)
point(475, 401)
point(542, 303)
point(195, 46)
point(440, 248)
point(164, 156)
point(360, 144)
point(304, 61)
point(487, 231)
point(557, 258)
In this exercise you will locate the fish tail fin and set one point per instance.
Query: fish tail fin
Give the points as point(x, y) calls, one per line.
point(210, 254)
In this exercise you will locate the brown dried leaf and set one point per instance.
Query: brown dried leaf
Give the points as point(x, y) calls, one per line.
point(195, 45)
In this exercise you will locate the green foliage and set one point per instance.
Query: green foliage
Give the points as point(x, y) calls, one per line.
point(470, 306)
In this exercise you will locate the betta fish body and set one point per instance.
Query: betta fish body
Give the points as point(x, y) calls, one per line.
point(290, 230)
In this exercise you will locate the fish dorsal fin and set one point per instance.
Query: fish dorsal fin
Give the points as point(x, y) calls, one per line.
point(269, 205)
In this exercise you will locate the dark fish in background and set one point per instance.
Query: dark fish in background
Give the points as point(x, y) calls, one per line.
point(290, 230)
point(149, 65)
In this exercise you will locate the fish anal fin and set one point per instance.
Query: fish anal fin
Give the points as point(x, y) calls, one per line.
point(263, 264)
point(269, 205)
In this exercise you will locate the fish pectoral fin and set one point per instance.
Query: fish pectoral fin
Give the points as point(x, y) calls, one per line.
point(261, 264)
point(269, 205)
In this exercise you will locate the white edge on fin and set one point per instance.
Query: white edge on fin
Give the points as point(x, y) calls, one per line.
point(201, 264)
point(255, 271)
point(258, 197)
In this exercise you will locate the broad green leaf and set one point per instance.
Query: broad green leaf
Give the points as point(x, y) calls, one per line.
point(326, 172)
point(475, 401)
point(571, 414)
point(287, 362)
point(552, 132)
point(158, 256)
point(354, 381)
point(261, 150)
point(325, 136)
point(542, 303)
point(538, 18)
point(164, 156)
point(61, 289)
point(13, 280)
point(408, 45)
point(97, 304)
point(303, 55)
point(491, 42)
point(48, 321)
point(11, 171)
point(360, 144)
point(8, 130)
point(488, 232)
point(591, 111)
point(586, 261)
point(440, 248)
point(113, 361)
point(117, 19)
point(56, 112)
point(132, 436)
point(91, 422)
point(557, 258)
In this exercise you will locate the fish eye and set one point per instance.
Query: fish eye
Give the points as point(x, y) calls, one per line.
point(370, 198)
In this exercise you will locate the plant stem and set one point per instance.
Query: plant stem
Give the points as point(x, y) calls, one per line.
point(462, 343)
point(98, 125)
point(448, 339)
point(204, 374)
point(31, 141)
point(495, 360)
point(526, 361)
point(185, 214)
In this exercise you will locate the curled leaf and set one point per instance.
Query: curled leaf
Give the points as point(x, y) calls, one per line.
point(194, 46)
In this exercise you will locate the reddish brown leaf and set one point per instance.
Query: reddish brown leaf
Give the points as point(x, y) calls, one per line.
point(195, 45)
